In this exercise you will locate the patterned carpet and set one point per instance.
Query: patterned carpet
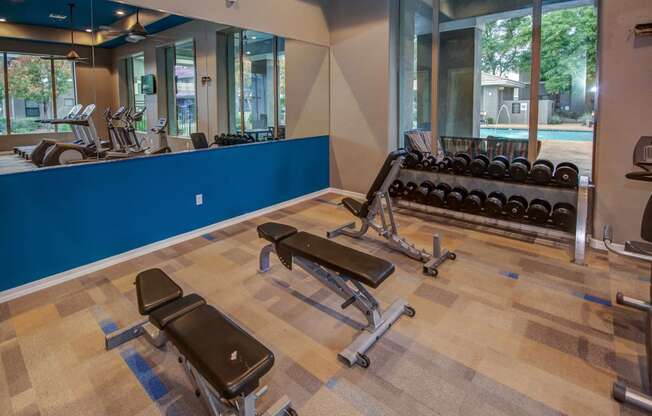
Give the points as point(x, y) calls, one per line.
point(509, 328)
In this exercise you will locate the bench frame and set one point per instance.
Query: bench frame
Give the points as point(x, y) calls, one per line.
point(378, 322)
point(381, 207)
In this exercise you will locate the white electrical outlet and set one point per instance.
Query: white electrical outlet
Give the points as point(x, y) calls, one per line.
point(199, 199)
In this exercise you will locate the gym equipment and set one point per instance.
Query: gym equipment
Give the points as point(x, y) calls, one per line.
point(396, 189)
point(564, 216)
point(223, 362)
point(430, 163)
point(437, 198)
point(36, 154)
point(461, 163)
point(567, 174)
point(541, 171)
point(410, 191)
point(516, 207)
point(445, 164)
point(519, 169)
point(539, 211)
point(456, 197)
point(199, 141)
point(498, 167)
point(642, 251)
point(474, 201)
point(479, 165)
point(495, 204)
point(413, 160)
point(335, 266)
point(379, 204)
point(421, 193)
point(160, 129)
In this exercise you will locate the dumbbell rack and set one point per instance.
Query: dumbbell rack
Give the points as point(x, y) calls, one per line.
point(579, 197)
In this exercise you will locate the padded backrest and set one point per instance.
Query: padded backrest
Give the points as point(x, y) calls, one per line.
point(199, 140)
point(646, 224)
point(384, 171)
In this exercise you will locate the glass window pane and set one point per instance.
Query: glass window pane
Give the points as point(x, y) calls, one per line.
point(415, 50)
point(138, 65)
point(567, 91)
point(258, 83)
point(64, 74)
point(235, 115)
point(506, 46)
point(281, 87)
point(3, 115)
point(30, 93)
point(185, 97)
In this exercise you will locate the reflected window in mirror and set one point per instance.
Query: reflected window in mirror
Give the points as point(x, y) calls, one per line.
point(131, 71)
point(37, 89)
point(280, 53)
point(181, 77)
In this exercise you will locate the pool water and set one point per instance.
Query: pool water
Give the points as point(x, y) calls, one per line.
point(566, 135)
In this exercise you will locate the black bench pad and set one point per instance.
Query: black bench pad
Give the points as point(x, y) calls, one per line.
point(355, 207)
point(154, 288)
point(162, 316)
point(365, 268)
point(230, 359)
point(275, 232)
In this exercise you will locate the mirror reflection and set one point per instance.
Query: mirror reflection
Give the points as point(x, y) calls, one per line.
point(96, 80)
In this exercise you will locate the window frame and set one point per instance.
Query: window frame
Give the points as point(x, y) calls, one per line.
point(170, 60)
point(53, 92)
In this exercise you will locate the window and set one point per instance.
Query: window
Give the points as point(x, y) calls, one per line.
point(131, 71)
point(256, 84)
point(31, 95)
point(181, 87)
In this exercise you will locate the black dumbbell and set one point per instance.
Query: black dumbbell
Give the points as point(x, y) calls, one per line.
point(421, 193)
point(539, 211)
point(479, 165)
point(445, 164)
point(396, 189)
point(412, 160)
point(516, 207)
point(564, 215)
point(495, 204)
point(567, 174)
point(498, 167)
point(455, 198)
point(437, 198)
point(541, 172)
point(519, 169)
point(410, 190)
point(474, 201)
point(429, 163)
point(461, 163)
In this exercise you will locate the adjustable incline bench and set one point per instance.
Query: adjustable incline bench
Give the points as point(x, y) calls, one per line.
point(379, 203)
point(222, 361)
point(335, 265)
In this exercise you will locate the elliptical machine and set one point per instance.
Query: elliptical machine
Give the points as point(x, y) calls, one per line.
point(642, 251)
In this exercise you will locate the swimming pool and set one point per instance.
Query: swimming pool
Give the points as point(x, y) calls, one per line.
point(567, 135)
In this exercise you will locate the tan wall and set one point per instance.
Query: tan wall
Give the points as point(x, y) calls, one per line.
point(307, 89)
point(297, 19)
point(360, 91)
point(93, 83)
point(624, 116)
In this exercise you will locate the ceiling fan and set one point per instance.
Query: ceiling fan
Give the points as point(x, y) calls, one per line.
point(134, 34)
point(72, 54)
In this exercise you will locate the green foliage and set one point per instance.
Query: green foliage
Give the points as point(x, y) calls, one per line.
point(556, 119)
point(568, 42)
point(490, 120)
point(29, 78)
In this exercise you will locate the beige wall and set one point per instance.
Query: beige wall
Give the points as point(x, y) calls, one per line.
point(624, 116)
point(93, 84)
point(307, 89)
point(361, 122)
point(297, 19)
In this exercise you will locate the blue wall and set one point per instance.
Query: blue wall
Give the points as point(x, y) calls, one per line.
point(54, 220)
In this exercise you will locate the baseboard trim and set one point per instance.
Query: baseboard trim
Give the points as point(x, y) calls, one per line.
point(80, 271)
point(351, 194)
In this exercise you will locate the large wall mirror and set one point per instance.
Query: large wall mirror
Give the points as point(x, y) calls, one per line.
point(94, 80)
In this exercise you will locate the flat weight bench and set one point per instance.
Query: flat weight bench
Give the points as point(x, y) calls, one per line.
point(336, 266)
point(223, 362)
point(379, 204)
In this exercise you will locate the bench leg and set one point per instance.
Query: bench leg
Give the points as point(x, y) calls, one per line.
point(120, 336)
point(345, 229)
point(438, 257)
point(263, 261)
point(355, 352)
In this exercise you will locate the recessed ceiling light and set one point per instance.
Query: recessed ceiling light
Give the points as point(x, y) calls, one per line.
point(120, 12)
point(248, 53)
point(254, 37)
point(2, 20)
point(89, 30)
